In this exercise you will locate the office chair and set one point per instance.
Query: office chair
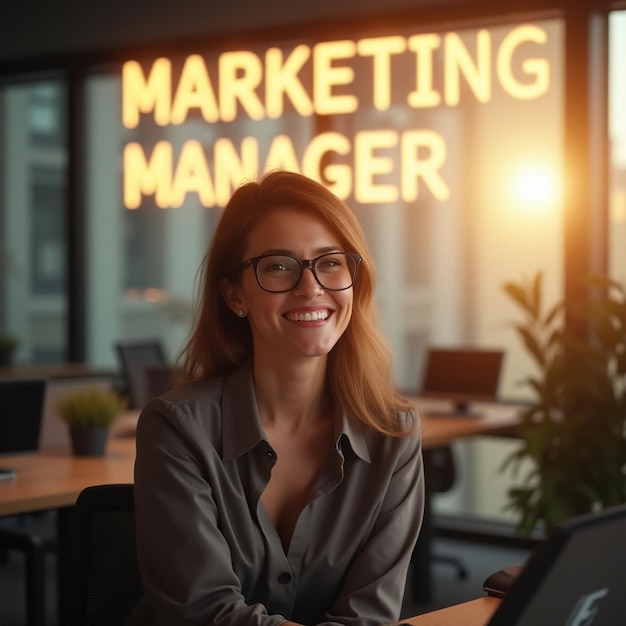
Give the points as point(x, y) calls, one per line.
point(135, 357)
point(105, 584)
point(440, 476)
point(34, 546)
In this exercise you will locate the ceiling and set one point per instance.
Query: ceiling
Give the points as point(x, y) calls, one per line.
point(39, 30)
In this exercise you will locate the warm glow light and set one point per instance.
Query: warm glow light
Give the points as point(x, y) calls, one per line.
point(535, 187)
point(150, 294)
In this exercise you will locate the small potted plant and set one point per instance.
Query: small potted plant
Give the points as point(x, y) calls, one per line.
point(8, 344)
point(89, 414)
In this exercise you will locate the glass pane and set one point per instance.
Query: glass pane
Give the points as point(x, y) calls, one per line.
point(617, 131)
point(33, 164)
point(143, 261)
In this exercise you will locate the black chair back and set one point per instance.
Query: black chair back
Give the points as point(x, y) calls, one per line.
point(105, 583)
point(135, 357)
point(439, 469)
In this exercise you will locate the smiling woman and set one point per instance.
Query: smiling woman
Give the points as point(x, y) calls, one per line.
point(282, 479)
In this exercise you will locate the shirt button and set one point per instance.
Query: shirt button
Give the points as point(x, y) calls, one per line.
point(270, 453)
point(284, 578)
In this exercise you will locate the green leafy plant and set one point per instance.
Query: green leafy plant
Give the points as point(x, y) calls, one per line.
point(91, 407)
point(8, 342)
point(574, 430)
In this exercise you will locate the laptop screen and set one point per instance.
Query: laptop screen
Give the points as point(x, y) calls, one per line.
point(462, 375)
point(21, 412)
point(575, 577)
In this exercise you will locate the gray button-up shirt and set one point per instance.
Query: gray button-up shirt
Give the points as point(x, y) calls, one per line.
point(210, 555)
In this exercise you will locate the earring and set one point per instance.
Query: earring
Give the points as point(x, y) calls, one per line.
point(241, 313)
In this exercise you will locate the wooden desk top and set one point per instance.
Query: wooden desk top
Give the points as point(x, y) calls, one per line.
point(53, 478)
point(473, 613)
point(441, 430)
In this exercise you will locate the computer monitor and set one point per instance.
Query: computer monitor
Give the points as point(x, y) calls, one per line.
point(21, 412)
point(462, 376)
point(575, 577)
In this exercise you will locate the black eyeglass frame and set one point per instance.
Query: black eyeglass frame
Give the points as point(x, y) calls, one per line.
point(302, 264)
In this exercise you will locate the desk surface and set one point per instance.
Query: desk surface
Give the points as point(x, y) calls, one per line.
point(441, 430)
point(53, 478)
point(473, 613)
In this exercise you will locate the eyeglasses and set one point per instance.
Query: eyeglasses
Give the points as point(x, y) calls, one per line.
point(278, 273)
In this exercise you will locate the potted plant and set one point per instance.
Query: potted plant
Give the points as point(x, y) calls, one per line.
point(89, 414)
point(573, 433)
point(8, 344)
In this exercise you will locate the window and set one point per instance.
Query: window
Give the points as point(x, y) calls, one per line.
point(33, 302)
point(617, 133)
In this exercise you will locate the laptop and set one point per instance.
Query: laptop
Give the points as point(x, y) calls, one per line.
point(462, 376)
point(21, 412)
point(576, 577)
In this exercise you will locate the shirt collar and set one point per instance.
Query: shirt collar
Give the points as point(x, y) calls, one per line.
point(242, 428)
point(354, 433)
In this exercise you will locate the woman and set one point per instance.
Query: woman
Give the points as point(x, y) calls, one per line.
point(281, 482)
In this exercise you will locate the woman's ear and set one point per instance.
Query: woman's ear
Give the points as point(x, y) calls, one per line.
point(232, 296)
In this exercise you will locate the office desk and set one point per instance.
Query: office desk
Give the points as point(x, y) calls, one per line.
point(53, 478)
point(442, 430)
point(473, 613)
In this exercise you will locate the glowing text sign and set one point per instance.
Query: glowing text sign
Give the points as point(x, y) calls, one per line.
point(258, 87)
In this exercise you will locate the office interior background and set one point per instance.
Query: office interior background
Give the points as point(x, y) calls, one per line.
point(485, 144)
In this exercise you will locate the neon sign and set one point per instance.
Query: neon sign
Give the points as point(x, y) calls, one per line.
point(326, 79)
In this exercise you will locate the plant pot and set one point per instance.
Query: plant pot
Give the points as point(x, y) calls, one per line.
point(89, 441)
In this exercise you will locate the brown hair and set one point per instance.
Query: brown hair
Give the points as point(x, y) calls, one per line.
point(359, 365)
